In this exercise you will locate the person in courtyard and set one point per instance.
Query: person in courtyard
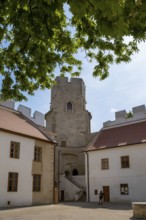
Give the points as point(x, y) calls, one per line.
point(101, 198)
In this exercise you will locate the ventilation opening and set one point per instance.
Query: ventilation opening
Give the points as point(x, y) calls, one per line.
point(9, 203)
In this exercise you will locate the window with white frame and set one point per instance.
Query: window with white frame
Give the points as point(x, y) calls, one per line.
point(125, 162)
point(14, 149)
point(12, 182)
point(104, 163)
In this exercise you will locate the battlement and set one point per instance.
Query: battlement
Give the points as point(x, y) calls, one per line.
point(122, 117)
point(61, 80)
point(37, 117)
point(65, 81)
point(68, 89)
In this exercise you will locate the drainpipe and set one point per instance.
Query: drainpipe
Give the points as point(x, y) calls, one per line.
point(88, 182)
point(59, 152)
point(54, 175)
point(55, 183)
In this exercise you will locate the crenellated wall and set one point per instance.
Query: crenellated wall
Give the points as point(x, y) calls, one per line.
point(122, 117)
point(37, 117)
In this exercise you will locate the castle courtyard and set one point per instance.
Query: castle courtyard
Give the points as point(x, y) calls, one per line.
point(70, 211)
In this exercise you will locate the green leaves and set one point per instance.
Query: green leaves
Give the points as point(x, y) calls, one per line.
point(38, 36)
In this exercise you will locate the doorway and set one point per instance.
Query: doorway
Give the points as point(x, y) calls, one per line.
point(75, 172)
point(106, 191)
point(62, 195)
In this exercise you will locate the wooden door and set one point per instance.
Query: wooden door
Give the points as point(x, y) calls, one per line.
point(106, 191)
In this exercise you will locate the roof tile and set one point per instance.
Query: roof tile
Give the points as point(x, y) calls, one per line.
point(14, 121)
point(120, 136)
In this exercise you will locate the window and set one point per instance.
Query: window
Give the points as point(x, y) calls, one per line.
point(38, 154)
point(14, 149)
point(104, 164)
point(75, 172)
point(69, 106)
point(95, 192)
point(125, 162)
point(63, 143)
point(12, 182)
point(36, 183)
point(124, 189)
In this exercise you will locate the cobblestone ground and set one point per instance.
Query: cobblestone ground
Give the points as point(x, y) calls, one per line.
point(70, 211)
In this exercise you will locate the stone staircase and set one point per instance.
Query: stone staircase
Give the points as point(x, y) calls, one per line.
point(82, 198)
point(80, 195)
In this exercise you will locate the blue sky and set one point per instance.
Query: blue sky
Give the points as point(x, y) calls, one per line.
point(125, 88)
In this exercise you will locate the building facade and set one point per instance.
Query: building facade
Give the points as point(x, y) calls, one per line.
point(115, 159)
point(26, 161)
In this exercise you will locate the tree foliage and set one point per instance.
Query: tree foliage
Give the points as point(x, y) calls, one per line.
point(36, 36)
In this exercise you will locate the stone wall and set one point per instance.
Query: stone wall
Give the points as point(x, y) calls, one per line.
point(70, 120)
point(37, 117)
point(46, 170)
point(122, 117)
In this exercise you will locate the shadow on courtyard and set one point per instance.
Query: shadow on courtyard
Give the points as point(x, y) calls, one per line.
point(95, 205)
point(89, 205)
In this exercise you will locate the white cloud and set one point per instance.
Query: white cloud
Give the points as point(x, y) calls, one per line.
point(125, 88)
point(113, 110)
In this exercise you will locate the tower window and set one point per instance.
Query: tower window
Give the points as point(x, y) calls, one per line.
point(63, 143)
point(69, 106)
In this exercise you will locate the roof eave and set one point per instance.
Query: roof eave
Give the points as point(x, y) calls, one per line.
point(106, 148)
point(28, 136)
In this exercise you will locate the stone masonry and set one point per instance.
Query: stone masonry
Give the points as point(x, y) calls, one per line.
point(70, 120)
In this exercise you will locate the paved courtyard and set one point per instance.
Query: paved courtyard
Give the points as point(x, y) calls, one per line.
point(70, 211)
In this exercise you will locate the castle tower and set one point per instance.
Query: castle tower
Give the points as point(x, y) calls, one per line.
point(70, 120)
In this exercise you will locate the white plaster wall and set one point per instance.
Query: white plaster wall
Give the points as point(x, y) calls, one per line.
point(135, 176)
point(80, 179)
point(86, 178)
point(23, 166)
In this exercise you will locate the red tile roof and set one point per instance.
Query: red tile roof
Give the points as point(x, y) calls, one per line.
point(13, 121)
point(119, 136)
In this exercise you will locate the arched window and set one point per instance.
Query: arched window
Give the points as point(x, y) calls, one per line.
point(75, 172)
point(69, 106)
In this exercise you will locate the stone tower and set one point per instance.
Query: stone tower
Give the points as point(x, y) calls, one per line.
point(70, 120)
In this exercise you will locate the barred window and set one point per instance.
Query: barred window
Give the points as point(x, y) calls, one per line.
point(124, 189)
point(14, 149)
point(36, 183)
point(104, 164)
point(125, 162)
point(38, 154)
point(12, 182)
